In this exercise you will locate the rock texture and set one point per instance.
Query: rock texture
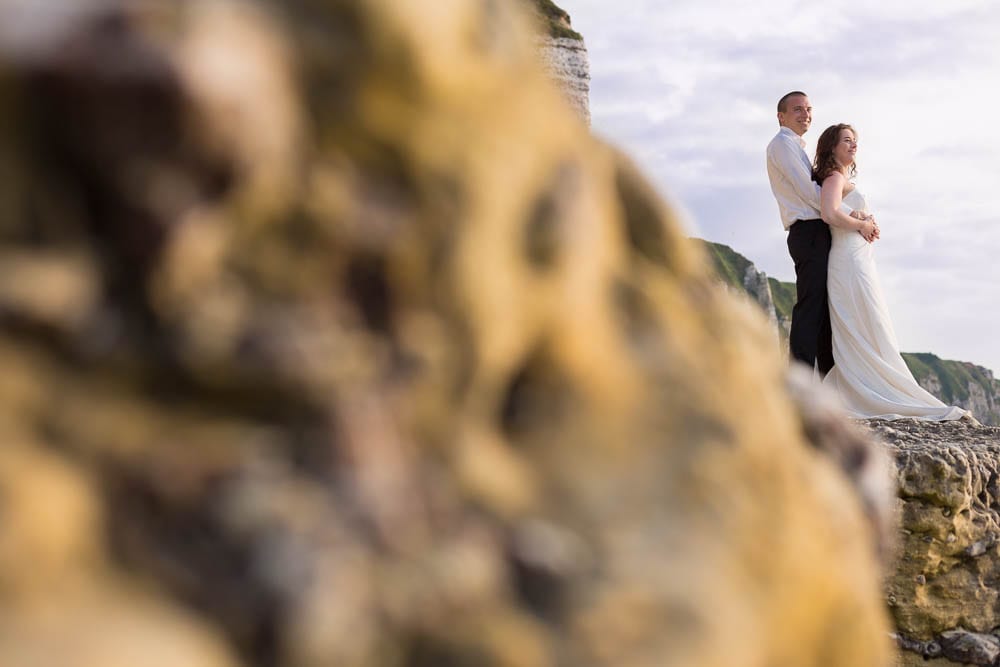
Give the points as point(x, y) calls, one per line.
point(756, 285)
point(944, 595)
point(985, 400)
point(563, 53)
point(330, 336)
point(566, 60)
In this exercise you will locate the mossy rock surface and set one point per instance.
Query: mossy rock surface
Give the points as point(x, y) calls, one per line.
point(556, 19)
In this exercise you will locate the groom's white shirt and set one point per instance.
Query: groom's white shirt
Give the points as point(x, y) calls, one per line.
point(790, 173)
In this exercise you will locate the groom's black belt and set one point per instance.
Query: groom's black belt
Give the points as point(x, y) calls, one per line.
point(811, 227)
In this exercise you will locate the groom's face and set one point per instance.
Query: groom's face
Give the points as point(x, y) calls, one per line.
point(797, 115)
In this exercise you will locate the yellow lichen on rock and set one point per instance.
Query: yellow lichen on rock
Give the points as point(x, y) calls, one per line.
point(405, 368)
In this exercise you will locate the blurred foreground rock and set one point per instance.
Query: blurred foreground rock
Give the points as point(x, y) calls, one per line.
point(330, 337)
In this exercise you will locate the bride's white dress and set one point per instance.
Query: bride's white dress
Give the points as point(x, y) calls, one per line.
point(870, 376)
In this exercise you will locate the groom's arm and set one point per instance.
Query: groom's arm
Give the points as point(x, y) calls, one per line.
point(788, 159)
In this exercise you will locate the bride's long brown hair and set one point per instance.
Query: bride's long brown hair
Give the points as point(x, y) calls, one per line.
point(824, 163)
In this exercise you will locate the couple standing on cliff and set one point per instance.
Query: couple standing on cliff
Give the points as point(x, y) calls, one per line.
point(840, 323)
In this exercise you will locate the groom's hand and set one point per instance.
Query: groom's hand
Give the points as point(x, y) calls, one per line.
point(870, 233)
point(868, 229)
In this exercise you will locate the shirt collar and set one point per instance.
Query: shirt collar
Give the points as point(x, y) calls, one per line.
point(788, 132)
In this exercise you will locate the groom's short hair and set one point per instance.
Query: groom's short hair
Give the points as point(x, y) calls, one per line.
point(784, 99)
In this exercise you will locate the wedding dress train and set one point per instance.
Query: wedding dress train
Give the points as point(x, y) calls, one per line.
point(870, 376)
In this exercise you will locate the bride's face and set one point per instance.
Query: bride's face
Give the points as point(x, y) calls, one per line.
point(847, 146)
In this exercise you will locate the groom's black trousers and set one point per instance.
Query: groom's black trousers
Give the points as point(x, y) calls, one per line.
point(811, 340)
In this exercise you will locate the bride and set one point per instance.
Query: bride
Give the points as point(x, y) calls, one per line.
point(869, 374)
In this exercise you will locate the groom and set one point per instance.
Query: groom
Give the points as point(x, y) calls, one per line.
point(790, 173)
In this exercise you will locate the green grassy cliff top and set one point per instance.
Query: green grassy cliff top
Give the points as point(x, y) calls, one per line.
point(555, 19)
point(955, 376)
point(729, 264)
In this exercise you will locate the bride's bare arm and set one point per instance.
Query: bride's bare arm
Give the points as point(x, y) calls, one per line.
point(831, 197)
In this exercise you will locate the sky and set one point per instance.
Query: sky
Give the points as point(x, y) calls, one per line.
point(689, 88)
